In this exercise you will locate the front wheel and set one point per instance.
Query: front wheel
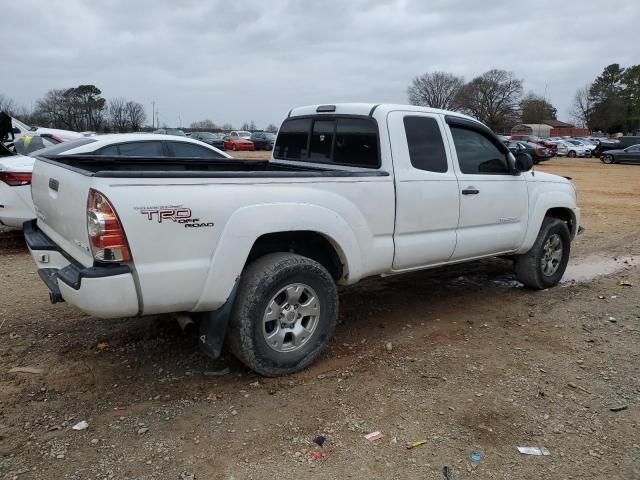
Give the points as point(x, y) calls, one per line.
point(571, 154)
point(285, 314)
point(544, 264)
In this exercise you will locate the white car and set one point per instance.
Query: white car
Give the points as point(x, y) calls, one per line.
point(20, 129)
point(240, 134)
point(352, 191)
point(567, 148)
point(16, 206)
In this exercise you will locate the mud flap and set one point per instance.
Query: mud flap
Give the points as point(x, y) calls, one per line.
point(213, 326)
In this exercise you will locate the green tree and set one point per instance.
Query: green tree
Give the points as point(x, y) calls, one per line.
point(536, 109)
point(609, 110)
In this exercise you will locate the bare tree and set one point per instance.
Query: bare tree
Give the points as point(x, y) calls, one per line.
point(204, 125)
point(7, 105)
point(227, 127)
point(436, 90)
point(134, 113)
point(271, 128)
point(118, 114)
point(582, 107)
point(493, 98)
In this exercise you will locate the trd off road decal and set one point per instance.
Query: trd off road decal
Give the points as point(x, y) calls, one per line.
point(173, 213)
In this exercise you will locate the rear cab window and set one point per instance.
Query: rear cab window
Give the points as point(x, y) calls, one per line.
point(337, 140)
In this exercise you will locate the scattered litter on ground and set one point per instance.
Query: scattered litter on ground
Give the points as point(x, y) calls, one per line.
point(83, 425)
point(33, 370)
point(475, 457)
point(319, 440)
point(217, 373)
point(186, 476)
point(102, 346)
point(312, 454)
point(142, 430)
point(373, 436)
point(618, 408)
point(625, 283)
point(546, 416)
point(445, 472)
point(534, 451)
point(389, 346)
point(410, 445)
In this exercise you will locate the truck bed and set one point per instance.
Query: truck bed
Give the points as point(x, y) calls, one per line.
point(149, 167)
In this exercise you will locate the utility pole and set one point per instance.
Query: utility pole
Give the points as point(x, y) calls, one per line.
point(153, 114)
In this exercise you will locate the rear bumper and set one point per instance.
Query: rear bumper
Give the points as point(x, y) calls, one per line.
point(16, 206)
point(102, 291)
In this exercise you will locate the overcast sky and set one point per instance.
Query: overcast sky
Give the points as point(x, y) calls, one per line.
point(235, 61)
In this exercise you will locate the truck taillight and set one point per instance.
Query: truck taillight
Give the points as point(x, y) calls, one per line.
point(15, 179)
point(106, 235)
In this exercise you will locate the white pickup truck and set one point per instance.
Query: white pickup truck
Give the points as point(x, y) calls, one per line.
point(352, 191)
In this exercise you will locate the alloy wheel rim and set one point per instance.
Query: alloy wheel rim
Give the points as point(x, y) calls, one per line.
point(291, 318)
point(552, 255)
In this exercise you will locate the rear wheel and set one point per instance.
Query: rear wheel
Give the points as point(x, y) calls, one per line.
point(544, 264)
point(285, 314)
point(608, 159)
point(571, 154)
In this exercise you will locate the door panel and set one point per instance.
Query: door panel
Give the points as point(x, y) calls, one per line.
point(427, 202)
point(493, 202)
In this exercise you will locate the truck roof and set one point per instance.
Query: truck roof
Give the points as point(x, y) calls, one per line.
point(369, 109)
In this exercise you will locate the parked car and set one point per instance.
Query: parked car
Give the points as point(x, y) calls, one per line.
point(170, 131)
point(546, 143)
point(238, 143)
point(20, 128)
point(629, 154)
point(538, 152)
point(240, 134)
point(254, 251)
point(213, 139)
point(263, 140)
point(587, 146)
point(568, 149)
point(15, 171)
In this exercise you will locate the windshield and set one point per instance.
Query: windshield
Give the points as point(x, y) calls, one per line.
point(62, 147)
point(244, 133)
point(19, 124)
point(574, 142)
point(270, 136)
point(175, 131)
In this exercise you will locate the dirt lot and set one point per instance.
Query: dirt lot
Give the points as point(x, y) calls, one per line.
point(476, 364)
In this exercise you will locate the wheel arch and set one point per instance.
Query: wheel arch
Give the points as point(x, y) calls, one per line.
point(308, 243)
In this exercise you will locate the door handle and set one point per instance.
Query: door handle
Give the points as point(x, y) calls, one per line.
point(470, 191)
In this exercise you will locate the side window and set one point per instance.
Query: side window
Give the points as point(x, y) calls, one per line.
point(141, 149)
point(110, 150)
point(321, 140)
point(426, 148)
point(292, 140)
point(356, 143)
point(477, 154)
point(189, 150)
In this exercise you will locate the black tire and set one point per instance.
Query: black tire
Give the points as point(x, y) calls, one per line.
point(608, 159)
point(571, 154)
point(529, 267)
point(259, 282)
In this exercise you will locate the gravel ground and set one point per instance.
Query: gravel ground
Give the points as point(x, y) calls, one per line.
point(460, 357)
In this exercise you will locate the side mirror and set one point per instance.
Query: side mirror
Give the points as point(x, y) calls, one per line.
point(16, 130)
point(524, 162)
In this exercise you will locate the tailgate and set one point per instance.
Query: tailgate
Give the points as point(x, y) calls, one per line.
point(60, 200)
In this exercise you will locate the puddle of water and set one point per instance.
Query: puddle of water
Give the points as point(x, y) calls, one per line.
point(588, 268)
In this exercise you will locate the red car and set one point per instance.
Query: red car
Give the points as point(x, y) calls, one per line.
point(238, 143)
